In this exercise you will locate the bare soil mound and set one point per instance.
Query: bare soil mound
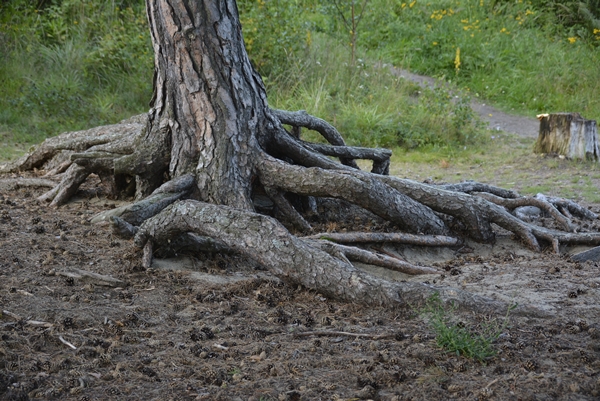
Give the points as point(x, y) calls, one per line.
point(221, 329)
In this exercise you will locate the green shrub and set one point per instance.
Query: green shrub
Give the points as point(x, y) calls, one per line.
point(273, 32)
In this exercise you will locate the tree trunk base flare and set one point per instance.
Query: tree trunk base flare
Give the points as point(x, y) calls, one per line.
point(169, 220)
point(569, 135)
point(214, 169)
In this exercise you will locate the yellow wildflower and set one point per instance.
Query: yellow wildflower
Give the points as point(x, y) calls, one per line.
point(457, 60)
point(412, 4)
point(572, 39)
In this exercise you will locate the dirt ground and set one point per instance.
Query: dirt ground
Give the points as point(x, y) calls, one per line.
point(222, 329)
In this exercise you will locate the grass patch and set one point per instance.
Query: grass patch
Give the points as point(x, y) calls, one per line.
point(369, 104)
point(453, 336)
point(519, 55)
point(70, 66)
point(507, 161)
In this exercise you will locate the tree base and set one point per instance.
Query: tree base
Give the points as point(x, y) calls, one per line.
point(299, 192)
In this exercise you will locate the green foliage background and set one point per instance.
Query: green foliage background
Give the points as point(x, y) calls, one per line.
point(73, 64)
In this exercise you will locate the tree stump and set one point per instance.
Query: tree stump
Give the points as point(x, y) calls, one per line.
point(569, 135)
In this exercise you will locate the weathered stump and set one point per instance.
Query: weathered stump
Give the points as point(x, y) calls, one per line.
point(569, 135)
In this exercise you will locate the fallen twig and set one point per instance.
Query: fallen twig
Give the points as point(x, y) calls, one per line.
point(344, 333)
point(401, 238)
point(29, 322)
point(68, 344)
point(94, 278)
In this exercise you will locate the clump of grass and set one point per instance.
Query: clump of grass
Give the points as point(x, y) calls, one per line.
point(70, 65)
point(369, 104)
point(453, 336)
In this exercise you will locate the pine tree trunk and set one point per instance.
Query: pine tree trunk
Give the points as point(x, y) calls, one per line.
point(210, 146)
point(208, 103)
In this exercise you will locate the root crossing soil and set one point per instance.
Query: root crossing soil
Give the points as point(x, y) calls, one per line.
point(222, 329)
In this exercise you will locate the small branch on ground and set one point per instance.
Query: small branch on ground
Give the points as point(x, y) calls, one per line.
point(345, 334)
point(400, 238)
point(513, 203)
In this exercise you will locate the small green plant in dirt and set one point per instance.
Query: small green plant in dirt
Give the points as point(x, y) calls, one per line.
point(453, 336)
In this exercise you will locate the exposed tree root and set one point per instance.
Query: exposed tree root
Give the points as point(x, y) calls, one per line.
point(360, 188)
point(513, 203)
point(55, 152)
point(567, 207)
point(361, 255)
point(297, 261)
point(9, 184)
point(400, 238)
point(72, 179)
point(292, 173)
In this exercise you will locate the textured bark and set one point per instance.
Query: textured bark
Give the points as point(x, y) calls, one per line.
point(296, 261)
point(360, 188)
point(400, 238)
point(568, 134)
point(208, 103)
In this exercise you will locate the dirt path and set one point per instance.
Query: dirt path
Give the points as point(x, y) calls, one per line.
point(496, 119)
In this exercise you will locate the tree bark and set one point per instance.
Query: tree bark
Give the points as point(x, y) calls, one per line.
point(209, 105)
point(569, 135)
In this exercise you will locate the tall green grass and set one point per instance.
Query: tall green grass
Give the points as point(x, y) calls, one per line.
point(70, 65)
point(369, 103)
point(525, 56)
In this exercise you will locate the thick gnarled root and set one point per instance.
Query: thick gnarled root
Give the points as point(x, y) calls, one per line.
point(125, 220)
point(294, 260)
point(338, 148)
point(54, 154)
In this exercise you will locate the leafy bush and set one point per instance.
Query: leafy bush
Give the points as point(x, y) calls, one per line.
point(273, 32)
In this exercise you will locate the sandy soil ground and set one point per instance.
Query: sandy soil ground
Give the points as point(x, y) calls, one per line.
point(222, 329)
